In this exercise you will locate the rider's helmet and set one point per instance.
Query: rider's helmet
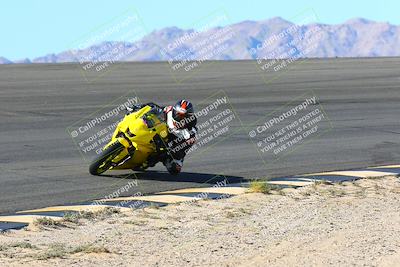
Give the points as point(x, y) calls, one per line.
point(182, 110)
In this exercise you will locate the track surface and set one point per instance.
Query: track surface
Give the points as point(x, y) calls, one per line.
point(40, 166)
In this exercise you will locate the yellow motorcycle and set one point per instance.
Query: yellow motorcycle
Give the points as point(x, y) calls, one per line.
point(139, 135)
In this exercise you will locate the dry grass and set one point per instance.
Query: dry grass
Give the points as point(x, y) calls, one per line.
point(258, 186)
point(230, 214)
point(90, 248)
point(237, 213)
point(46, 222)
point(58, 250)
point(71, 217)
point(75, 217)
point(138, 223)
point(55, 250)
point(25, 245)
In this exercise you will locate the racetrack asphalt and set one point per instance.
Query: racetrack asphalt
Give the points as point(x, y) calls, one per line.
point(40, 165)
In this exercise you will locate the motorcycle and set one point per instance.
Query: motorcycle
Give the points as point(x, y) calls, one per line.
point(139, 135)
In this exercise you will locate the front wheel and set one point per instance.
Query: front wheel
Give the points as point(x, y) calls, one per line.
point(103, 161)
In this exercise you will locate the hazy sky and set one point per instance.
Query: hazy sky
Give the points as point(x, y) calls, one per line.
point(38, 27)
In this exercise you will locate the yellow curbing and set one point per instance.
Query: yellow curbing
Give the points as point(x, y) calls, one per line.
point(29, 219)
point(385, 167)
point(92, 208)
point(211, 190)
point(168, 199)
point(359, 174)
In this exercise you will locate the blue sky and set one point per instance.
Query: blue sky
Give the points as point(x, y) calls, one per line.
point(38, 27)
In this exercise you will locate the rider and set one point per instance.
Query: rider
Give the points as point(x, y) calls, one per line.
point(181, 122)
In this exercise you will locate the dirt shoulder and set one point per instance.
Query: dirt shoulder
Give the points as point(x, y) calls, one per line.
point(353, 223)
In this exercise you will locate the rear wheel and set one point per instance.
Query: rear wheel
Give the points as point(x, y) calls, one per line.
point(104, 160)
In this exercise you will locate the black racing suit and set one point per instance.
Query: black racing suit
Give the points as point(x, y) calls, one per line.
point(181, 136)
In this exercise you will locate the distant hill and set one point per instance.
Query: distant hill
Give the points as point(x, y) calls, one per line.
point(3, 60)
point(353, 38)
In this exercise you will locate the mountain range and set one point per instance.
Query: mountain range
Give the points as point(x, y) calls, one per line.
point(354, 38)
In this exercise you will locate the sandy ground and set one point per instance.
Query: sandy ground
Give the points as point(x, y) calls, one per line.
point(353, 223)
